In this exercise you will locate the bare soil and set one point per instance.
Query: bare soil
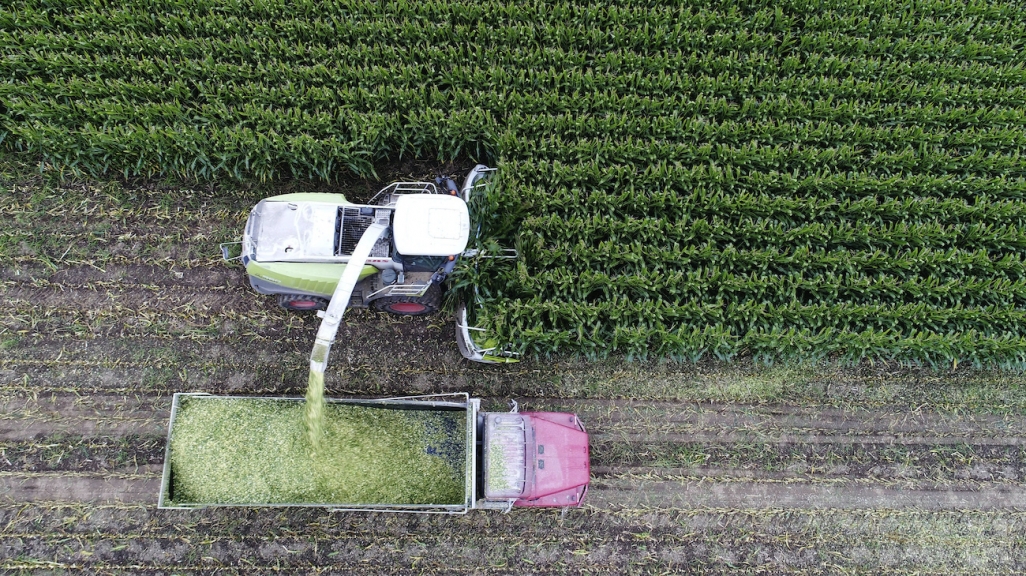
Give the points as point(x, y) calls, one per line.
point(708, 468)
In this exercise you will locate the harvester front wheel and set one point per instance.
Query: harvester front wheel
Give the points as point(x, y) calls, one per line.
point(429, 303)
point(300, 303)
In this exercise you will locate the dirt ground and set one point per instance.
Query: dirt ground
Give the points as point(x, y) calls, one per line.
point(115, 298)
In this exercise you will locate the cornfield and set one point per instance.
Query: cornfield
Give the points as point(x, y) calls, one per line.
point(790, 180)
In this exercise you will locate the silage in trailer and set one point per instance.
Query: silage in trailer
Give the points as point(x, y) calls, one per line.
point(257, 451)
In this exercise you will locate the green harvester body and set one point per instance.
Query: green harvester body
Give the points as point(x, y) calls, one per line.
point(297, 247)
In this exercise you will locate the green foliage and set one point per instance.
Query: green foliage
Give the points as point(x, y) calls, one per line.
point(790, 180)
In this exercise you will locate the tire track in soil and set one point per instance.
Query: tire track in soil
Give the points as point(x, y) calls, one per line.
point(785, 437)
point(148, 351)
point(133, 538)
point(127, 302)
point(604, 494)
point(120, 293)
point(24, 418)
point(706, 421)
point(639, 492)
point(673, 423)
point(131, 488)
point(126, 275)
point(28, 430)
point(240, 357)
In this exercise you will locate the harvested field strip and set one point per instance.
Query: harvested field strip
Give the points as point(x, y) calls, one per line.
point(418, 566)
point(897, 478)
point(200, 568)
point(208, 358)
point(123, 363)
point(699, 540)
point(109, 213)
point(886, 462)
point(131, 472)
point(99, 405)
point(620, 475)
point(128, 249)
point(634, 491)
point(169, 206)
point(212, 302)
point(189, 321)
point(812, 436)
point(85, 250)
point(78, 240)
point(69, 519)
point(83, 453)
point(209, 302)
point(80, 487)
point(31, 428)
point(125, 276)
point(159, 382)
point(54, 517)
point(627, 416)
point(92, 228)
point(277, 346)
point(183, 258)
point(151, 351)
point(126, 280)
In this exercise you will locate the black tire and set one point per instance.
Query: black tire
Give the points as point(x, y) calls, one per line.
point(301, 303)
point(429, 303)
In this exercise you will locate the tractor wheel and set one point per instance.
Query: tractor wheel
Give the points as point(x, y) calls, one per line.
point(299, 303)
point(410, 305)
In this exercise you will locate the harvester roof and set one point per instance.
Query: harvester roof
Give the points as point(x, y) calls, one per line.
point(431, 225)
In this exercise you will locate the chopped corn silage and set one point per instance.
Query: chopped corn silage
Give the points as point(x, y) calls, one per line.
point(257, 451)
point(315, 408)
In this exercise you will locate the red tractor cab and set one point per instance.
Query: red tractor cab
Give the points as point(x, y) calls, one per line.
point(535, 459)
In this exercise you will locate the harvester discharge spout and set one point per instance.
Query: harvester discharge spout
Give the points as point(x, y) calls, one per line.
point(340, 298)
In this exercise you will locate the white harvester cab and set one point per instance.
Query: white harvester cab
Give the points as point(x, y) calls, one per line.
point(431, 225)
